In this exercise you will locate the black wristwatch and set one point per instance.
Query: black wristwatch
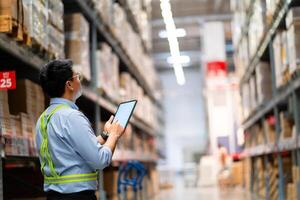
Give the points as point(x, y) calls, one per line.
point(104, 135)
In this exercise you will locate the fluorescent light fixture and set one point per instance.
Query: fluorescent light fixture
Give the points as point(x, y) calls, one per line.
point(179, 32)
point(181, 59)
point(172, 39)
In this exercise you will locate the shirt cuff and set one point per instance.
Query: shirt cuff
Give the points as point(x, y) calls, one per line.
point(108, 150)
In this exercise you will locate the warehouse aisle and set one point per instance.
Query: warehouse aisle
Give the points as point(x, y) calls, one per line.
point(180, 192)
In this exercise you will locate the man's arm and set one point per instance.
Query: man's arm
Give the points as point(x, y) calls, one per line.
point(82, 137)
point(115, 131)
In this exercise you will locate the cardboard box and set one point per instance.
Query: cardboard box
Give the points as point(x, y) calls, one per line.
point(263, 82)
point(293, 36)
point(293, 16)
point(38, 21)
point(77, 43)
point(27, 98)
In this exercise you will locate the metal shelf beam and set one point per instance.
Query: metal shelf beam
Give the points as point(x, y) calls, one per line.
point(266, 40)
point(103, 30)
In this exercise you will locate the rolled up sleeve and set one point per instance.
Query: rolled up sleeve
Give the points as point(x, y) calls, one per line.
point(85, 143)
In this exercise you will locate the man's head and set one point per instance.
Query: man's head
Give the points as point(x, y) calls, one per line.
point(59, 80)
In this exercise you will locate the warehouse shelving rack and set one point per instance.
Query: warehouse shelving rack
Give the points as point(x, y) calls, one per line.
point(281, 98)
point(27, 64)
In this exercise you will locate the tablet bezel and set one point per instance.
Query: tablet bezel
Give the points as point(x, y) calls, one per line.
point(130, 112)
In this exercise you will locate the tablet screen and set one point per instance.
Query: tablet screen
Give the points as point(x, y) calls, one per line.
point(124, 112)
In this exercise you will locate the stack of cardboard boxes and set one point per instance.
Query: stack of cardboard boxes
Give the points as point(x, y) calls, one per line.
point(13, 20)
point(108, 72)
point(293, 37)
point(37, 15)
point(77, 43)
point(269, 127)
point(263, 82)
point(273, 173)
point(36, 22)
point(5, 126)
point(261, 182)
point(286, 125)
point(257, 26)
point(55, 28)
point(24, 115)
point(246, 100)
point(129, 89)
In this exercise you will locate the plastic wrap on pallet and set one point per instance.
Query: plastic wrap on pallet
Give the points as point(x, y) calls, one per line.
point(56, 13)
point(56, 42)
point(263, 82)
point(105, 10)
point(38, 16)
point(77, 43)
point(108, 67)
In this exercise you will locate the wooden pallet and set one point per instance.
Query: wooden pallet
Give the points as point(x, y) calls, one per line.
point(14, 29)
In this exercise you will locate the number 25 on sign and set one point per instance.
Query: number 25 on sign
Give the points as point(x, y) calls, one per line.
point(7, 80)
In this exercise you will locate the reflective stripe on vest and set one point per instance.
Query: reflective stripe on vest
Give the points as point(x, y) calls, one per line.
point(46, 157)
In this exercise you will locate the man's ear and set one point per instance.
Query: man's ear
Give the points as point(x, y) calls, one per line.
point(69, 85)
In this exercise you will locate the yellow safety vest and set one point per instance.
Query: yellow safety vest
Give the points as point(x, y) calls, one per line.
point(55, 178)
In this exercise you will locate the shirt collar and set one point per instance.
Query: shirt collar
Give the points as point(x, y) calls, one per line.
point(63, 101)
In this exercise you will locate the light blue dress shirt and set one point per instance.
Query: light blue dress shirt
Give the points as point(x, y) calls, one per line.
point(73, 147)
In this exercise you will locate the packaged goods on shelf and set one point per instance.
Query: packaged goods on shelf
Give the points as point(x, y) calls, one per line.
point(256, 26)
point(256, 136)
point(55, 28)
point(32, 95)
point(273, 173)
point(293, 16)
point(280, 57)
point(77, 43)
point(271, 6)
point(131, 43)
point(269, 127)
point(8, 14)
point(246, 100)
point(263, 82)
point(16, 137)
point(56, 42)
point(12, 18)
point(104, 8)
point(260, 183)
point(56, 13)
point(4, 108)
point(38, 18)
point(253, 94)
point(27, 134)
point(129, 89)
point(108, 71)
point(286, 125)
point(293, 36)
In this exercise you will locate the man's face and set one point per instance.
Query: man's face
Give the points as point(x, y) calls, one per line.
point(76, 79)
point(74, 83)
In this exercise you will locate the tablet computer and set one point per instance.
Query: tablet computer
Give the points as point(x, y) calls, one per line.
point(124, 112)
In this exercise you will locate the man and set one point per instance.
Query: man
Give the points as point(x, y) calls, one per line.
point(69, 152)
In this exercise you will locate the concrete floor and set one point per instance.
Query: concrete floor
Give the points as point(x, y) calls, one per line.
point(180, 192)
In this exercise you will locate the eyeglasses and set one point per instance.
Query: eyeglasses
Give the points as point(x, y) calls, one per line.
point(77, 75)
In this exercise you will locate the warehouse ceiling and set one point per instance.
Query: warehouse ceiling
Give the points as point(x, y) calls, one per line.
point(188, 16)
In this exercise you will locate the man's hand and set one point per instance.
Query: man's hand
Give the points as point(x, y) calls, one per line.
point(115, 131)
point(113, 128)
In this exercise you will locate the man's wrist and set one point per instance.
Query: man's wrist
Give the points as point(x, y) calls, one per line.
point(104, 135)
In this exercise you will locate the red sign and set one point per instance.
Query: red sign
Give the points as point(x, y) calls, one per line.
point(215, 68)
point(8, 80)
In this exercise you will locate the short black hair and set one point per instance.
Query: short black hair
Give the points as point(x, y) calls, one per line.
point(54, 75)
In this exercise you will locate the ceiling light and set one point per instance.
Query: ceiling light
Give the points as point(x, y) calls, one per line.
point(172, 39)
point(180, 32)
point(181, 59)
